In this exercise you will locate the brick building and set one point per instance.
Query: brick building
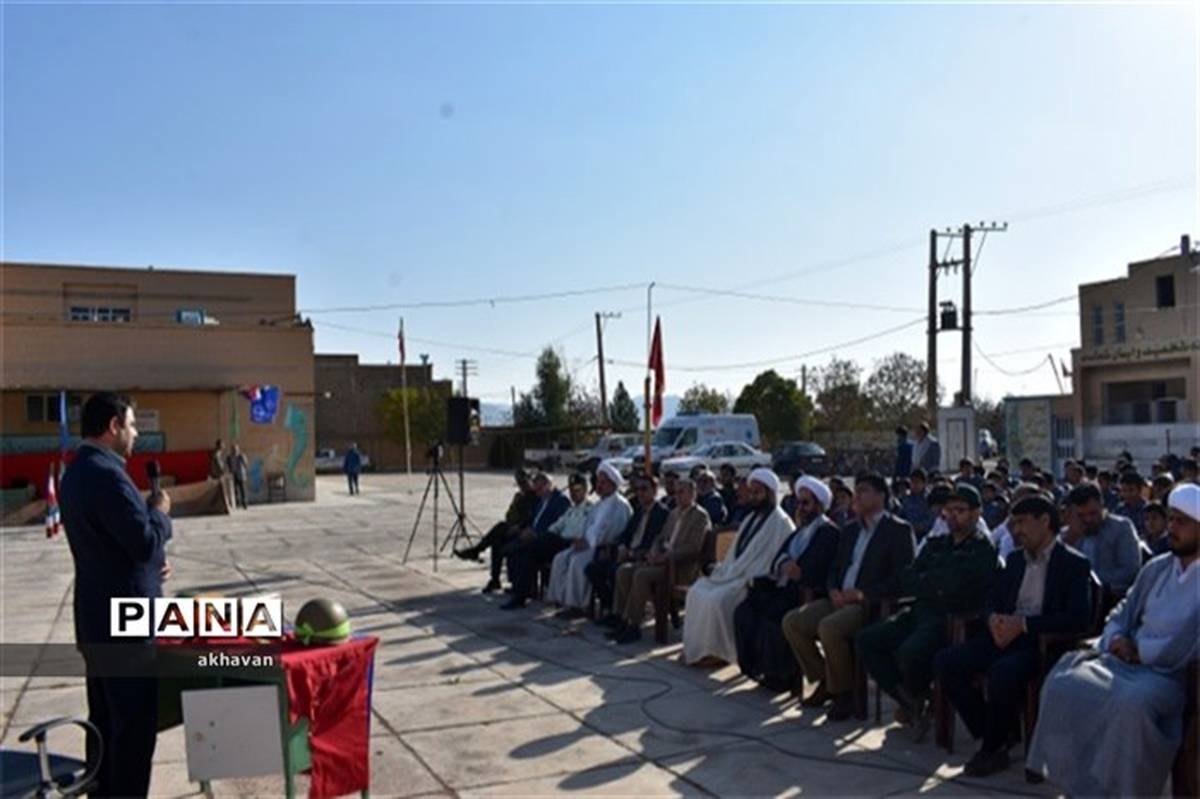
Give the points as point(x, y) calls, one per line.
point(181, 343)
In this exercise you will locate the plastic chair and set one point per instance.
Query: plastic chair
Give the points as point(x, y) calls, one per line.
point(43, 775)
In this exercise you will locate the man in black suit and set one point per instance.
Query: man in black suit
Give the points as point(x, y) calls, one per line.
point(1045, 587)
point(646, 524)
point(118, 542)
point(535, 546)
point(872, 552)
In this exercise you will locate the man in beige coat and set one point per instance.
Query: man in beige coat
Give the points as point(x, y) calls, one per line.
point(637, 583)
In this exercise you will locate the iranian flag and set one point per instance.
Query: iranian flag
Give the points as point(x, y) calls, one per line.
point(660, 373)
point(53, 515)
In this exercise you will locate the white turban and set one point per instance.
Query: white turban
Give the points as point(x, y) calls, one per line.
point(818, 489)
point(611, 472)
point(766, 477)
point(1186, 499)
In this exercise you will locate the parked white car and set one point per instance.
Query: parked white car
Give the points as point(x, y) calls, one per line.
point(327, 460)
point(610, 446)
point(743, 457)
point(624, 461)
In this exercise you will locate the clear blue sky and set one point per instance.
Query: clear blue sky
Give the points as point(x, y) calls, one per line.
point(389, 154)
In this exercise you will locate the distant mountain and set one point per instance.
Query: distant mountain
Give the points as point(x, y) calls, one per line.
point(495, 414)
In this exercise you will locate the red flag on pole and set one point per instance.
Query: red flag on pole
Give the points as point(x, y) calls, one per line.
point(659, 369)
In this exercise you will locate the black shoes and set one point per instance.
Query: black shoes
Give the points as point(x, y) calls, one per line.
point(492, 585)
point(819, 697)
point(468, 554)
point(616, 631)
point(843, 707)
point(629, 635)
point(985, 764)
point(913, 712)
point(612, 621)
point(516, 603)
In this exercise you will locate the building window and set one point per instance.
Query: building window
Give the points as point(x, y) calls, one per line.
point(43, 408)
point(1119, 322)
point(1145, 402)
point(1097, 325)
point(1164, 291)
point(89, 313)
point(35, 408)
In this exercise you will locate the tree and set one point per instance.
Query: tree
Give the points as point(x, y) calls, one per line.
point(896, 390)
point(527, 413)
point(426, 415)
point(841, 404)
point(583, 407)
point(782, 410)
point(622, 412)
point(702, 399)
point(552, 393)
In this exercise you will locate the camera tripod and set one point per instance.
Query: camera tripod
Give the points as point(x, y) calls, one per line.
point(458, 530)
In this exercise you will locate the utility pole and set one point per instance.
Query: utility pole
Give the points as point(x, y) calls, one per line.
point(932, 331)
point(600, 317)
point(467, 367)
point(935, 266)
point(804, 379)
point(513, 392)
point(966, 316)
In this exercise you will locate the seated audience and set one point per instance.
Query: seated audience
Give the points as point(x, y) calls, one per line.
point(995, 504)
point(709, 499)
point(951, 574)
point(802, 564)
point(712, 600)
point(569, 586)
point(727, 478)
point(1045, 588)
point(1156, 528)
point(966, 474)
point(535, 545)
point(915, 507)
point(638, 582)
point(1105, 480)
point(872, 553)
point(1110, 722)
point(841, 512)
point(645, 525)
point(1108, 540)
point(670, 480)
point(518, 517)
point(1132, 487)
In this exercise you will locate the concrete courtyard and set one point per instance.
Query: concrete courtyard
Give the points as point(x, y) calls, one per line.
point(469, 700)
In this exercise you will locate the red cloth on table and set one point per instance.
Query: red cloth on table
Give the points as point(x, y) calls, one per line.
point(330, 686)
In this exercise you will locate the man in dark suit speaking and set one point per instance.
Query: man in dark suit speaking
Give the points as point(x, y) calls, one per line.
point(118, 543)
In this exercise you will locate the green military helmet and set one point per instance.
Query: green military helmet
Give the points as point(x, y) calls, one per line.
point(322, 621)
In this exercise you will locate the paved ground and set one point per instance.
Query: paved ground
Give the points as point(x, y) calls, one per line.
point(469, 700)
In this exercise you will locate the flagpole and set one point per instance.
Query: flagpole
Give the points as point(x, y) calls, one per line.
point(649, 464)
point(404, 401)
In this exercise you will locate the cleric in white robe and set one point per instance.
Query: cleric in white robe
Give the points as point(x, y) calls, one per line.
point(569, 585)
point(1110, 721)
point(712, 600)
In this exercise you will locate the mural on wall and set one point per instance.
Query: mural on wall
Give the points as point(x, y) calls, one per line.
point(1029, 434)
point(297, 423)
point(257, 484)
